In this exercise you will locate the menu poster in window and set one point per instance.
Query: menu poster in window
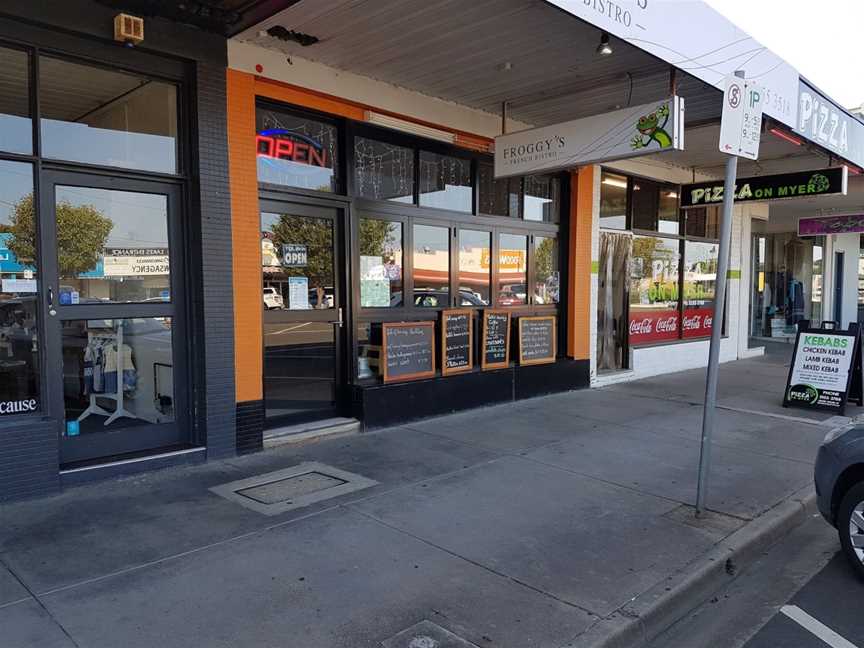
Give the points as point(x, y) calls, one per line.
point(496, 339)
point(537, 340)
point(407, 350)
point(821, 373)
point(298, 293)
point(457, 341)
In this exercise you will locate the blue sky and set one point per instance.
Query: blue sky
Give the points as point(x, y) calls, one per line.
point(823, 39)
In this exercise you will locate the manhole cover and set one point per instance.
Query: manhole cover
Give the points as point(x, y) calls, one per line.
point(426, 635)
point(283, 490)
point(291, 488)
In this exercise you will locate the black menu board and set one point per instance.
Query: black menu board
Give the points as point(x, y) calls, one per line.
point(407, 350)
point(457, 341)
point(537, 340)
point(496, 339)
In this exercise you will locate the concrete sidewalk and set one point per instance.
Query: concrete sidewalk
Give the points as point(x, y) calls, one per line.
point(560, 521)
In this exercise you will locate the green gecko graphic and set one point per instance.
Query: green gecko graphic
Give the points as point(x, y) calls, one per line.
point(650, 127)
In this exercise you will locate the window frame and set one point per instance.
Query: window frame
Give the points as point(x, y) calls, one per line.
point(682, 239)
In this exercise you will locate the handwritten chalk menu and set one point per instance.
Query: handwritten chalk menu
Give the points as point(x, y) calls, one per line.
point(407, 350)
point(457, 341)
point(537, 340)
point(496, 339)
point(821, 369)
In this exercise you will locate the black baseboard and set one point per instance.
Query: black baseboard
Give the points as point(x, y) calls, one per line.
point(382, 405)
point(250, 426)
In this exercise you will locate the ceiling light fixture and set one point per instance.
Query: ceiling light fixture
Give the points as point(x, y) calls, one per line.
point(605, 47)
point(614, 182)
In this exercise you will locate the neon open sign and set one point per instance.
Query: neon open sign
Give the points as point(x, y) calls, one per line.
point(280, 144)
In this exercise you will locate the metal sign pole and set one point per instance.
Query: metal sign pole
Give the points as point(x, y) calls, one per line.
point(716, 330)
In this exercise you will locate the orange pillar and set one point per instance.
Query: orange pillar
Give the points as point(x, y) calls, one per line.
point(580, 264)
point(245, 237)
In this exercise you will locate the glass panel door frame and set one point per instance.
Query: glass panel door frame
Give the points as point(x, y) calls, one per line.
point(139, 438)
point(337, 213)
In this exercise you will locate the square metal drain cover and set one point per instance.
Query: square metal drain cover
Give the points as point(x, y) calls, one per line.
point(292, 488)
point(426, 635)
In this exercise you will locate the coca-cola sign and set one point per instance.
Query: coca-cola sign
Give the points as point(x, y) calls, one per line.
point(697, 322)
point(653, 326)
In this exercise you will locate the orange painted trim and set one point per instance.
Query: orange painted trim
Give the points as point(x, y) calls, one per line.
point(581, 227)
point(245, 238)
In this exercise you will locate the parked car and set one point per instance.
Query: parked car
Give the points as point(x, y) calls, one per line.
point(839, 477)
point(439, 299)
point(272, 298)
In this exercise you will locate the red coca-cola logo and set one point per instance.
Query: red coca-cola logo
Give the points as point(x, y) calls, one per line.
point(653, 326)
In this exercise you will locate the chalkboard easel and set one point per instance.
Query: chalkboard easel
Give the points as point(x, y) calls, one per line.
point(457, 341)
point(537, 340)
point(407, 351)
point(495, 351)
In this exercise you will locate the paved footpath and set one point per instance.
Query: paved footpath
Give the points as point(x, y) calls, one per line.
point(559, 521)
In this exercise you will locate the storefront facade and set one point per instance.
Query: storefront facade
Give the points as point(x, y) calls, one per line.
point(115, 316)
point(344, 225)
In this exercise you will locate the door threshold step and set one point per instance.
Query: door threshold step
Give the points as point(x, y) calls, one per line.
point(311, 430)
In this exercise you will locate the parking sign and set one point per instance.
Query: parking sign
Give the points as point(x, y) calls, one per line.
point(741, 123)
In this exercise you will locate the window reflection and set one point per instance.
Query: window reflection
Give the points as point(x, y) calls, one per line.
point(512, 269)
point(380, 263)
point(700, 279)
point(654, 292)
point(445, 182)
point(431, 266)
point(542, 199)
point(475, 267)
point(16, 129)
point(613, 201)
point(19, 332)
point(297, 262)
point(112, 246)
point(498, 197)
point(383, 171)
point(99, 116)
point(547, 280)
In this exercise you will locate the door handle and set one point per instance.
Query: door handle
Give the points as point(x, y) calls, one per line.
point(51, 310)
point(338, 322)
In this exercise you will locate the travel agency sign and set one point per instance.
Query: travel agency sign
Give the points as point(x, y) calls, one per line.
point(638, 130)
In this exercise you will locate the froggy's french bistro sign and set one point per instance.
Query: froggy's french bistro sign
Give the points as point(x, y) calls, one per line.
point(638, 130)
point(803, 184)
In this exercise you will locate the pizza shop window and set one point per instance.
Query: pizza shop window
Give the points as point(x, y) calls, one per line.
point(654, 290)
point(654, 207)
point(296, 151)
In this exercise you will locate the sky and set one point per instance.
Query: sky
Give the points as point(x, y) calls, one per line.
point(821, 39)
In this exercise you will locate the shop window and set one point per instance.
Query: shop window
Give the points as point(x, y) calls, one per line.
point(16, 129)
point(297, 262)
point(547, 280)
point(431, 266)
point(613, 201)
point(112, 246)
point(700, 280)
point(498, 197)
point(445, 182)
point(654, 292)
point(296, 151)
point(542, 199)
point(475, 268)
point(702, 222)
point(512, 269)
point(122, 368)
point(99, 116)
point(19, 330)
point(655, 207)
point(383, 171)
point(380, 263)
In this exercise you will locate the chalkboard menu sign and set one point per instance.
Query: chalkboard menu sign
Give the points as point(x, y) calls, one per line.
point(407, 350)
point(496, 339)
point(826, 368)
point(457, 341)
point(537, 340)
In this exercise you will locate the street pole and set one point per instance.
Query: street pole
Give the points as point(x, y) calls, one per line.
point(716, 330)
